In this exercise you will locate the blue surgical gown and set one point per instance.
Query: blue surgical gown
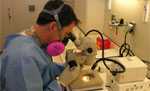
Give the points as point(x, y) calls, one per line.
point(28, 67)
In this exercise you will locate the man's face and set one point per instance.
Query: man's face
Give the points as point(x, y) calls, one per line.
point(56, 34)
point(66, 30)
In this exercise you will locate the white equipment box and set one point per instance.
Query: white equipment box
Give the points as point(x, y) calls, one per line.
point(135, 70)
point(108, 53)
point(134, 86)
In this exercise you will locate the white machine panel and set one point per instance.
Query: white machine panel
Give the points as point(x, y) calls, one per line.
point(135, 70)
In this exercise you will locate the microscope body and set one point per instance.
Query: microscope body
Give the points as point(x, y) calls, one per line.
point(78, 73)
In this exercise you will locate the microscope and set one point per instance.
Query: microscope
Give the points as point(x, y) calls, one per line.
point(78, 74)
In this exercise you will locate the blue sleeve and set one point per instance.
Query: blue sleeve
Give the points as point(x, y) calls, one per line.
point(24, 75)
point(57, 69)
point(54, 86)
point(34, 82)
point(27, 67)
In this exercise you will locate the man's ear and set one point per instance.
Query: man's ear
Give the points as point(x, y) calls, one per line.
point(53, 26)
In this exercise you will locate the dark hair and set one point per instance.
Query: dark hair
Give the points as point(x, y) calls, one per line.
point(66, 15)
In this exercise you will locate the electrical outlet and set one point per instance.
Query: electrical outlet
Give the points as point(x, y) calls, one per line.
point(31, 8)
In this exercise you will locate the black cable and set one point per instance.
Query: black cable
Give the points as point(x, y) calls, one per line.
point(101, 37)
point(125, 49)
point(103, 59)
point(81, 29)
point(109, 87)
point(114, 72)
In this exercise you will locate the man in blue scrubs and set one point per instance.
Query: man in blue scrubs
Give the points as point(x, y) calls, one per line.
point(24, 64)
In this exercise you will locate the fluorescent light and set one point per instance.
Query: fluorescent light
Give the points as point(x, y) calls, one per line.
point(109, 4)
point(147, 11)
point(129, 3)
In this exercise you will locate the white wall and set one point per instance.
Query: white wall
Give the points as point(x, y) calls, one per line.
point(130, 10)
point(0, 24)
point(22, 17)
point(0, 16)
point(90, 13)
point(95, 14)
point(70, 2)
point(80, 10)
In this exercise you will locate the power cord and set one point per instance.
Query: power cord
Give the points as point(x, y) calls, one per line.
point(125, 49)
point(107, 86)
point(103, 59)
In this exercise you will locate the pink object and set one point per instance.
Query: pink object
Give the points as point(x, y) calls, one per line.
point(107, 43)
point(55, 48)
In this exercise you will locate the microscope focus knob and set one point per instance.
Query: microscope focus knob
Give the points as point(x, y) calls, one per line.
point(89, 50)
point(72, 63)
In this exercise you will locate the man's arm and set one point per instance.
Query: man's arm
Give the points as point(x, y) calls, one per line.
point(24, 75)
